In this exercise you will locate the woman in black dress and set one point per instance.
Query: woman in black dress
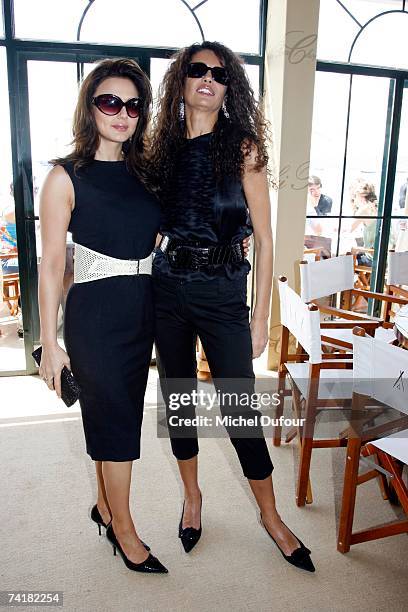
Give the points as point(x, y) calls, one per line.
point(209, 155)
point(98, 193)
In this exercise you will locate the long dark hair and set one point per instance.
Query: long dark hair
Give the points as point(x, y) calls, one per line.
point(233, 137)
point(85, 132)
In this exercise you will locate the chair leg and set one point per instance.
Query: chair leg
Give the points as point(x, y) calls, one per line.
point(306, 446)
point(297, 408)
point(349, 494)
point(369, 450)
point(277, 430)
point(307, 437)
point(304, 488)
point(392, 466)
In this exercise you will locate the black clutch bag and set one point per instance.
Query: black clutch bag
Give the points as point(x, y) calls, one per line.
point(70, 389)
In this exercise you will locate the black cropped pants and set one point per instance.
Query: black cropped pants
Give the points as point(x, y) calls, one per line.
point(217, 312)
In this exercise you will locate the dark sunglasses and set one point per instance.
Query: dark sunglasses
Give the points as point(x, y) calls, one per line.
point(110, 104)
point(196, 70)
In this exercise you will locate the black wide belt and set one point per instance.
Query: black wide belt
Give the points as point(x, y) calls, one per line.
point(192, 257)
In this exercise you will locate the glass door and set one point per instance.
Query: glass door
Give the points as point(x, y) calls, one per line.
point(47, 93)
point(50, 135)
point(12, 353)
point(359, 172)
point(398, 239)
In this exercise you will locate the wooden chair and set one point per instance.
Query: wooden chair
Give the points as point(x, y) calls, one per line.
point(11, 292)
point(335, 277)
point(362, 273)
point(319, 381)
point(378, 375)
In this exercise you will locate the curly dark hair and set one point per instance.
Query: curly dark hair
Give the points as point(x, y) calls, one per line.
point(234, 137)
point(85, 132)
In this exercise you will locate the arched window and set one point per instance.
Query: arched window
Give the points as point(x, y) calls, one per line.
point(364, 31)
point(163, 23)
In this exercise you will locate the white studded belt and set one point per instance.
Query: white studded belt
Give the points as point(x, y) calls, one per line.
point(90, 265)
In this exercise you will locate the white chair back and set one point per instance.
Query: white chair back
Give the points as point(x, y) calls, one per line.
point(322, 278)
point(303, 323)
point(401, 320)
point(380, 370)
point(398, 268)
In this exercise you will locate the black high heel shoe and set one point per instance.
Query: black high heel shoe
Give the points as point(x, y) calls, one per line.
point(151, 565)
point(96, 517)
point(300, 556)
point(189, 535)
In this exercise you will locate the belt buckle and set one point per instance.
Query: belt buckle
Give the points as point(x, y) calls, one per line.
point(173, 256)
point(199, 257)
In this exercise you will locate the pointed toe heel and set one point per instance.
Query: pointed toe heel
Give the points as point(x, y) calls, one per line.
point(300, 557)
point(189, 536)
point(151, 565)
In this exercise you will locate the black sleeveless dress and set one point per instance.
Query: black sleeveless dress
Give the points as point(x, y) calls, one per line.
point(109, 323)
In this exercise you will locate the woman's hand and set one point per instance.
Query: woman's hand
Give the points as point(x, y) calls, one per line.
point(53, 359)
point(259, 336)
point(246, 243)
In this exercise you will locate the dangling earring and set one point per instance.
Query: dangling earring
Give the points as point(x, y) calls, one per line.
point(224, 109)
point(181, 110)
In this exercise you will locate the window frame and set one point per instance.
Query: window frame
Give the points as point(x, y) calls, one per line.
point(18, 53)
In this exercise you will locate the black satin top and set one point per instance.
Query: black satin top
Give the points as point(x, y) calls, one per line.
point(199, 212)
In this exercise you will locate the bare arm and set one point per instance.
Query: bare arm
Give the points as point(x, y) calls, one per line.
point(56, 204)
point(256, 190)
point(355, 224)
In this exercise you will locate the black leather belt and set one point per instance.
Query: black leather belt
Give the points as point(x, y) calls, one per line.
point(192, 257)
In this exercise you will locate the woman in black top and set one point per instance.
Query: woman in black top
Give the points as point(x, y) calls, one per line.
point(209, 156)
point(98, 193)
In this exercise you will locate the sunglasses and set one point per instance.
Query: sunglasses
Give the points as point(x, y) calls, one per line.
point(110, 104)
point(196, 70)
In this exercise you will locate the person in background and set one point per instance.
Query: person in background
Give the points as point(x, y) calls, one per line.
point(318, 234)
point(402, 199)
point(8, 236)
point(8, 246)
point(400, 226)
point(313, 226)
point(364, 203)
point(316, 199)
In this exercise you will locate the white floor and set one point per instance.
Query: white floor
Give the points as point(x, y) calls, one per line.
point(48, 542)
